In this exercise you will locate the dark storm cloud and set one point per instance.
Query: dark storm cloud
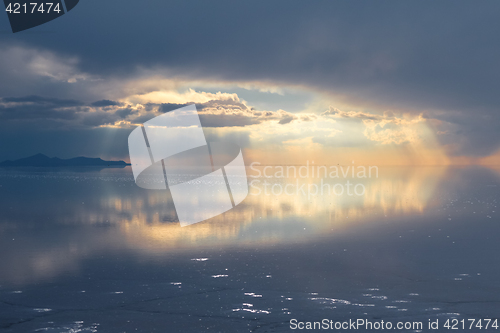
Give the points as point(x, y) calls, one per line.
point(167, 107)
point(105, 102)
point(34, 108)
point(401, 49)
point(38, 100)
point(124, 113)
point(420, 55)
point(58, 113)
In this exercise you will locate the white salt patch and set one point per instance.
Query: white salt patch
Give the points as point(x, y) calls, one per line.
point(253, 311)
point(42, 310)
point(324, 300)
point(380, 297)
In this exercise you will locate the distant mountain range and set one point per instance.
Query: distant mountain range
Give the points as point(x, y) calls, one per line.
point(40, 160)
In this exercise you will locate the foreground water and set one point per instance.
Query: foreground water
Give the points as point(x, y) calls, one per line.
point(88, 251)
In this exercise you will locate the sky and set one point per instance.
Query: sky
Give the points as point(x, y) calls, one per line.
point(385, 82)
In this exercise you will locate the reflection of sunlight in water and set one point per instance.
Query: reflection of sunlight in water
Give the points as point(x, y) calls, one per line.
point(108, 211)
point(274, 218)
point(112, 213)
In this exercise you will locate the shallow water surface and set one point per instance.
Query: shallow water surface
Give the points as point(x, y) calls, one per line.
point(88, 251)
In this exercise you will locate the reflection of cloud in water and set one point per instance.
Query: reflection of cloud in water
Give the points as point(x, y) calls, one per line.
point(263, 219)
point(79, 215)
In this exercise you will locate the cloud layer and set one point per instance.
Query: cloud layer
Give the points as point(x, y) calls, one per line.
point(402, 72)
